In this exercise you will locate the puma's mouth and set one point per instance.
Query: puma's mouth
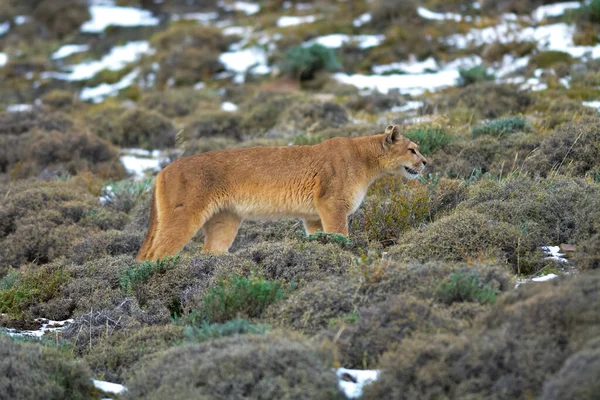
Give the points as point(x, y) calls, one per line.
point(411, 171)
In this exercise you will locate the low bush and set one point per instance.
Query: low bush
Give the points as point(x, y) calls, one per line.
point(547, 59)
point(429, 137)
point(124, 195)
point(303, 62)
point(461, 287)
point(326, 238)
point(116, 357)
point(588, 254)
point(239, 295)
point(474, 75)
point(237, 326)
point(503, 126)
point(216, 123)
point(175, 103)
point(145, 129)
point(58, 99)
point(138, 274)
point(298, 262)
point(506, 354)
point(276, 365)
point(33, 371)
point(61, 17)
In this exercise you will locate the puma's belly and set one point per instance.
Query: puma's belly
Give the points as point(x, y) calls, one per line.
point(265, 207)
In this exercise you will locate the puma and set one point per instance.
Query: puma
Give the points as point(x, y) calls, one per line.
point(322, 184)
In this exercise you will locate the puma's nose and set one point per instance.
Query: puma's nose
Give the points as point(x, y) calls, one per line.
point(424, 162)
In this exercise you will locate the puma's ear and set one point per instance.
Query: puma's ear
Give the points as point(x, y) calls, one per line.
point(392, 134)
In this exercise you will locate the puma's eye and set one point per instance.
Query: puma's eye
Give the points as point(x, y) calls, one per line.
point(413, 151)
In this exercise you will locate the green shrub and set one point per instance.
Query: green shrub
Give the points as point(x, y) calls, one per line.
point(474, 75)
point(61, 17)
point(271, 366)
point(460, 287)
point(124, 195)
point(303, 62)
point(503, 126)
point(138, 274)
point(547, 59)
point(237, 326)
point(238, 295)
point(31, 288)
point(325, 238)
point(216, 123)
point(175, 103)
point(587, 256)
point(59, 99)
point(430, 138)
point(33, 371)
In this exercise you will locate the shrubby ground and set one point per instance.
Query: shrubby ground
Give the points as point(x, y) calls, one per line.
point(424, 287)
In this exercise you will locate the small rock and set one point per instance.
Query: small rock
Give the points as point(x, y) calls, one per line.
point(567, 248)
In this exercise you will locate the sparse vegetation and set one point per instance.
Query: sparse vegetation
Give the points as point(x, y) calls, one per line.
point(503, 126)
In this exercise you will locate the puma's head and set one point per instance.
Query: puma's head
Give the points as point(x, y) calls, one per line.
point(401, 155)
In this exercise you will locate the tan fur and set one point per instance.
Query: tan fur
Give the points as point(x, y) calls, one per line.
point(321, 184)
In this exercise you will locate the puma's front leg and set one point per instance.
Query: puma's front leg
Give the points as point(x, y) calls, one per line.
point(334, 217)
point(311, 226)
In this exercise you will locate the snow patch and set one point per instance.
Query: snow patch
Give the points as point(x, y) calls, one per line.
point(352, 381)
point(427, 14)
point(201, 18)
point(408, 106)
point(3, 59)
point(4, 27)
point(594, 104)
point(21, 19)
point(69, 49)
point(285, 21)
point(362, 19)
point(337, 40)
point(117, 59)
point(99, 93)
point(105, 15)
point(410, 67)
point(253, 60)
point(13, 108)
point(229, 106)
point(48, 325)
point(553, 253)
point(138, 161)
point(243, 6)
point(544, 278)
point(109, 387)
point(553, 10)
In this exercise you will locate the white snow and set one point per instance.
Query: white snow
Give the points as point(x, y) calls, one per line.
point(138, 161)
point(246, 7)
point(19, 107)
point(337, 40)
point(544, 278)
point(285, 21)
point(408, 106)
point(4, 27)
point(553, 10)
point(427, 14)
point(414, 84)
point(362, 19)
point(253, 60)
point(48, 325)
point(351, 389)
point(410, 67)
point(593, 104)
point(100, 92)
point(69, 49)
point(202, 18)
point(229, 106)
point(104, 16)
point(21, 19)
point(554, 253)
point(3, 59)
point(109, 387)
point(118, 57)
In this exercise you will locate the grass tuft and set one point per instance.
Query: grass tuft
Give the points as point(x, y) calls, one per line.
point(137, 274)
point(501, 127)
point(465, 287)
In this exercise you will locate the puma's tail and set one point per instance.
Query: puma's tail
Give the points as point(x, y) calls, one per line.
point(145, 252)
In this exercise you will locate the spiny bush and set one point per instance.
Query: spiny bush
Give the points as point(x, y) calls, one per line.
point(138, 274)
point(503, 126)
point(118, 355)
point(33, 371)
point(146, 129)
point(298, 262)
point(461, 287)
point(303, 62)
point(547, 59)
point(215, 123)
point(429, 137)
point(325, 238)
point(237, 326)
point(384, 219)
point(474, 75)
point(58, 99)
point(175, 103)
point(306, 116)
point(238, 295)
point(61, 17)
point(272, 366)
point(506, 354)
point(587, 256)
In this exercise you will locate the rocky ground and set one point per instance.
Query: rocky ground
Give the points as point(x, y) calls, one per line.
point(448, 287)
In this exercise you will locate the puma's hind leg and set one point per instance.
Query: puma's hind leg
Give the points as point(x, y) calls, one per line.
point(220, 231)
point(311, 226)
